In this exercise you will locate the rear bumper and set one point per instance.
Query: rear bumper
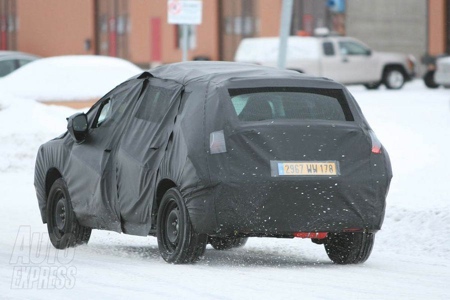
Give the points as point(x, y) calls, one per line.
point(284, 207)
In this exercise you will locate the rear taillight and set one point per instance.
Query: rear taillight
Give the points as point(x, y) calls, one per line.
point(376, 144)
point(217, 142)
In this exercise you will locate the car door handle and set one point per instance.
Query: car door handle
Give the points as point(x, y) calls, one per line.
point(107, 150)
point(345, 59)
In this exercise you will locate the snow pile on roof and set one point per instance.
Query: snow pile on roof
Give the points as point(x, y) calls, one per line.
point(75, 77)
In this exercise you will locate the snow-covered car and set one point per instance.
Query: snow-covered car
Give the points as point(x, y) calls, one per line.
point(13, 60)
point(68, 77)
point(442, 73)
point(344, 59)
point(218, 152)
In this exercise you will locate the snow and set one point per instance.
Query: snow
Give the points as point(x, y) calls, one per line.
point(71, 77)
point(410, 260)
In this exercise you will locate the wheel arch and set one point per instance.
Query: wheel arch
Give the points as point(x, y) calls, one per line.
point(52, 175)
point(163, 186)
point(395, 66)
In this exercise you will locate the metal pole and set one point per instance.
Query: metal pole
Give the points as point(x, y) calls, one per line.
point(285, 25)
point(185, 43)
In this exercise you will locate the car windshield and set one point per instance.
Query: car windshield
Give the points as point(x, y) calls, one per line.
point(253, 105)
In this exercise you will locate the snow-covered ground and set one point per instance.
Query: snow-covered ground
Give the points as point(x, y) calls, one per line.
point(410, 260)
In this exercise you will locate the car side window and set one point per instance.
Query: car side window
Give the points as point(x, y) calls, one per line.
point(103, 113)
point(23, 62)
point(352, 48)
point(328, 49)
point(154, 105)
point(7, 66)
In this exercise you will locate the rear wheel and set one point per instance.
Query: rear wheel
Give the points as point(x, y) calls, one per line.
point(428, 79)
point(373, 85)
point(227, 243)
point(178, 243)
point(63, 228)
point(349, 248)
point(393, 78)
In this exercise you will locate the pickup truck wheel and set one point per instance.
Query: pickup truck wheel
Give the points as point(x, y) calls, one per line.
point(349, 248)
point(373, 86)
point(63, 228)
point(227, 243)
point(428, 79)
point(178, 243)
point(393, 78)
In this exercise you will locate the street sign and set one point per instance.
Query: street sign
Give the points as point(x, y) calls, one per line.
point(187, 12)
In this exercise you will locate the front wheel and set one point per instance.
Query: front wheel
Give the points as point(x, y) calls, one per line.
point(178, 243)
point(349, 248)
point(63, 228)
point(393, 78)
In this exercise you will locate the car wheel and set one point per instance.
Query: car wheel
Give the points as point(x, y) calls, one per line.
point(373, 85)
point(349, 248)
point(63, 228)
point(393, 78)
point(428, 79)
point(178, 243)
point(227, 243)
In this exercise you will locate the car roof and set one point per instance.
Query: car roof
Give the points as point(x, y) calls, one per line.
point(219, 71)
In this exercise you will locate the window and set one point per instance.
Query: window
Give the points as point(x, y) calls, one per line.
point(253, 105)
point(103, 114)
point(154, 104)
point(23, 62)
point(352, 48)
point(7, 66)
point(328, 48)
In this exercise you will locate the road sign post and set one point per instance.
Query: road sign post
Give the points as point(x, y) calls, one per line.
point(285, 25)
point(184, 13)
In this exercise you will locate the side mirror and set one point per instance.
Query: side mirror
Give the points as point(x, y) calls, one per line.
point(77, 126)
point(369, 52)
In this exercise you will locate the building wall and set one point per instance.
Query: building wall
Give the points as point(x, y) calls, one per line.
point(389, 25)
point(55, 27)
point(437, 26)
point(140, 36)
point(268, 13)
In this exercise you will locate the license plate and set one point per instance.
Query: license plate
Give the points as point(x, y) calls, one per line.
point(304, 168)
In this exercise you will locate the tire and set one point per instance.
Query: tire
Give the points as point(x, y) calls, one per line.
point(428, 79)
point(178, 243)
point(349, 248)
point(373, 86)
point(63, 228)
point(227, 243)
point(394, 78)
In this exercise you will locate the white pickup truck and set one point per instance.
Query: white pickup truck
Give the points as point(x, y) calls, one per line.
point(344, 59)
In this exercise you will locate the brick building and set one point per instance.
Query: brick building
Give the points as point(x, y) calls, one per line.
point(138, 31)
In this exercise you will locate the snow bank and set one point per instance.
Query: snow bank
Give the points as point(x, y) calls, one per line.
point(77, 77)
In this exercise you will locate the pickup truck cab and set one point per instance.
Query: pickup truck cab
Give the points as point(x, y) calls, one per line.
point(343, 59)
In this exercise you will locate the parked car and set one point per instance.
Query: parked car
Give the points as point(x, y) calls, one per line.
point(344, 59)
point(12, 60)
point(218, 152)
point(430, 61)
point(442, 74)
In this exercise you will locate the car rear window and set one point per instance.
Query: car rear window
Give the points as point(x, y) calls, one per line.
point(259, 104)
